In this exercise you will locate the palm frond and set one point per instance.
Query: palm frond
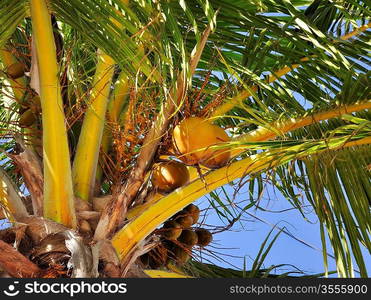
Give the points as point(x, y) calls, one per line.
point(11, 15)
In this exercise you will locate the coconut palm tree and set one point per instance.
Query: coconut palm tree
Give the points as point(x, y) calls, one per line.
point(117, 115)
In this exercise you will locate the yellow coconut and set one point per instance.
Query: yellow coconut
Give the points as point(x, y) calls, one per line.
point(16, 70)
point(193, 138)
point(168, 176)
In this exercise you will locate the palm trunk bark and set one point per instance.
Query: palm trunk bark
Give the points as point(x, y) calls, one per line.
point(15, 264)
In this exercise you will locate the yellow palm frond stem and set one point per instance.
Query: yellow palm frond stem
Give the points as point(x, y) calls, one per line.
point(125, 240)
point(58, 193)
point(282, 127)
point(195, 172)
point(361, 142)
point(164, 274)
point(355, 32)
point(237, 100)
point(18, 85)
point(11, 205)
point(87, 152)
point(129, 236)
point(117, 104)
point(137, 210)
point(119, 100)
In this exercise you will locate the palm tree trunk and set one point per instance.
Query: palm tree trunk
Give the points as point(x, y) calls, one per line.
point(15, 264)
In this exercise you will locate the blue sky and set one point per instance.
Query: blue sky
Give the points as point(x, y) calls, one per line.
point(246, 240)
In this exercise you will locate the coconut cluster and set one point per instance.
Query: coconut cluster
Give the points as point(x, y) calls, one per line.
point(195, 141)
point(178, 238)
point(30, 108)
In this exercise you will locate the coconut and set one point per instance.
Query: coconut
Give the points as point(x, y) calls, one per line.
point(184, 220)
point(170, 175)
point(180, 254)
point(171, 230)
point(27, 118)
point(188, 238)
point(204, 237)
point(193, 211)
point(36, 104)
point(193, 138)
point(16, 70)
